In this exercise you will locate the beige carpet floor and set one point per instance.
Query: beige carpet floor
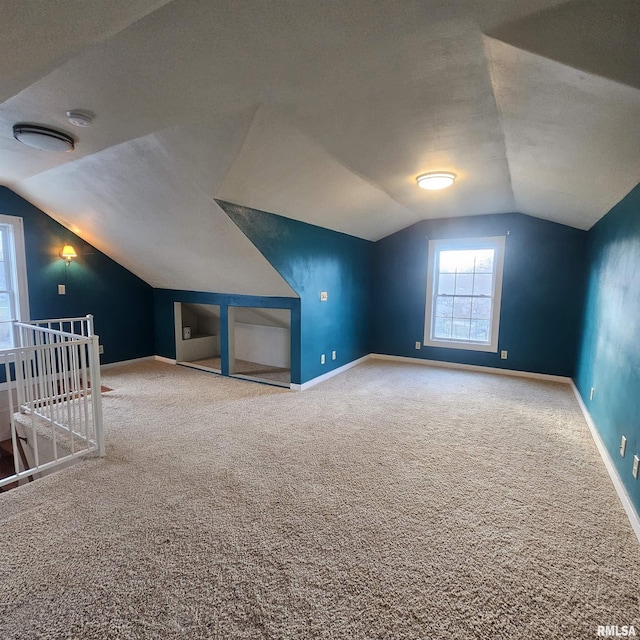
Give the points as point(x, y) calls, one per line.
point(265, 372)
point(392, 501)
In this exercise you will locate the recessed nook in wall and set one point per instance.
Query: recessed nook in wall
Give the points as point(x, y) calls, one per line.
point(260, 344)
point(198, 335)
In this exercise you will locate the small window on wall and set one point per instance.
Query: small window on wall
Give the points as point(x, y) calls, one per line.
point(14, 303)
point(464, 287)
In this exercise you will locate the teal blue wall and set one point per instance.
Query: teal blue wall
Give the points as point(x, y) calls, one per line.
point(610, 349)
point(542, 294)
point(313, 259)
point(121, 303)
point(164, 300)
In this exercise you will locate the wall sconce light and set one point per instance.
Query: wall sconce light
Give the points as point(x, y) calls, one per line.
point(67, 253)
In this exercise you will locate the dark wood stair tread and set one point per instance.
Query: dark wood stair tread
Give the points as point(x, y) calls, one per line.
point(6, 448)
point(7, 465)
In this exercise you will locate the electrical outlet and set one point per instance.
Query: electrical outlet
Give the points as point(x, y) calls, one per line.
point(100, 349)
point(503, 354)
point(333, 355)
point(418, 345)
point(623, 446)
point(324, 296)
point(322, 358)
point(62, 289)
point(636, 465)
point(593, 390)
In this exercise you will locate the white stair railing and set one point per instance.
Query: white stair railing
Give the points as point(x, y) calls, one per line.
point(53, 379)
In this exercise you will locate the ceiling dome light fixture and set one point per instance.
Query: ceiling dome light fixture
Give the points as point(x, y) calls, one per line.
point(436, 180)
point(43, 138)
point(80, 118)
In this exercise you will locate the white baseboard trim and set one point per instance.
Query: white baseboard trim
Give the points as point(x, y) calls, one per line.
point(627, 505)
point(329, 374)
point(473, 367)
point(422, 361)
point(111, 365)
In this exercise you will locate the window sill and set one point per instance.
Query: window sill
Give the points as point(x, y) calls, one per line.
point(468, 346)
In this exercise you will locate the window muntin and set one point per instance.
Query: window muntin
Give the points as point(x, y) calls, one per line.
point(464, 287)
point(13, 278)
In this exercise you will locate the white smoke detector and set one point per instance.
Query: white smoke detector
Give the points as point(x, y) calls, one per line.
point(80, 118)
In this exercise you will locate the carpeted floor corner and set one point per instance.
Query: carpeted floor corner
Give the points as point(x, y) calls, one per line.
point(392, 501)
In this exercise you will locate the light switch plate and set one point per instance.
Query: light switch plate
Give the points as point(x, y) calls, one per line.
point(623, 446)
point(62, 289)
point(324, 296)
point(636, 465)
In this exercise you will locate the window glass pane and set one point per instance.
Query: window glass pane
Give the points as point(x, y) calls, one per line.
point(481, 308)
point(446, 284)
point(3, 265)
point(460, 329)
point(465, 261)
point(457, 261)
point(484, 260)
point(482, 284)
point(442, 328)
point(464, 284)
point(6, 341)
point(480, 330)
point(5, 308)
point(10, 272)
point(448, 261)
point(461, 307)
point(444, 307)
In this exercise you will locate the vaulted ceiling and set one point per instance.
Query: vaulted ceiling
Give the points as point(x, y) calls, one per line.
point(320, 111)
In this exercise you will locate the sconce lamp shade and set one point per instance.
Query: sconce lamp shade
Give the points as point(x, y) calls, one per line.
point(68, 252)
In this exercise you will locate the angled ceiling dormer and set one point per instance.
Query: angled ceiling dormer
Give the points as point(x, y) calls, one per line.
point(149, 208)
point(599, 38)
point(322, 112)
point(567, 85)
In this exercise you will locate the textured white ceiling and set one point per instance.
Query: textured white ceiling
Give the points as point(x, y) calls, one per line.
point(572, 138)
point(319, 111)
point(159, 223)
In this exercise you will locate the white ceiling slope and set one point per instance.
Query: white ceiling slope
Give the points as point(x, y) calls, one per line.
point(155, 220)
point(279, 168)
point(320, 111)
point(558, 172)
point(39, 35)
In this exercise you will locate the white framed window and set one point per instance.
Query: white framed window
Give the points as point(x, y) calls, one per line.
point(14, 298)
point(464, 290)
